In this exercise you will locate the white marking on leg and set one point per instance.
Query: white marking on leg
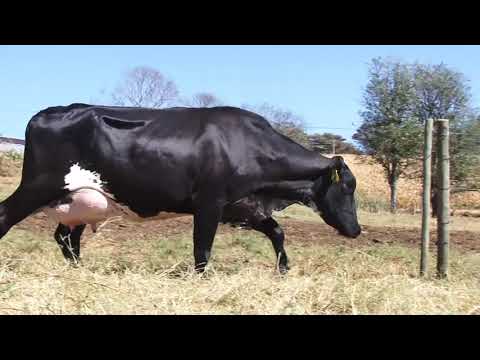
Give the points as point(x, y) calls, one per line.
point(69, 245)
point(277, 230)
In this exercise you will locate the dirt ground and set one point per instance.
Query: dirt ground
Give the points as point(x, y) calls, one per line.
point(296, 231)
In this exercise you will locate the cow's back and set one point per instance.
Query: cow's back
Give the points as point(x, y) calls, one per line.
point(152, 159)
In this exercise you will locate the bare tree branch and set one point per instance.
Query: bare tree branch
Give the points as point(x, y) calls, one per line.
point(203, 99)
point(145, 87)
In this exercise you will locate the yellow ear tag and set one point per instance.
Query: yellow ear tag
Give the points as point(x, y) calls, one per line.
point(335, 177)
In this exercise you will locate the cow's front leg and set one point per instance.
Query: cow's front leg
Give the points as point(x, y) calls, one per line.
point(69, 241)
point(205, 225)
point(274, 232)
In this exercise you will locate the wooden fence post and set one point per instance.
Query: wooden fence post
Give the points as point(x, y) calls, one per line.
point(427, 181)
point(443, 217)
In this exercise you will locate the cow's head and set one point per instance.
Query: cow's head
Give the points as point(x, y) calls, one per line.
point(333, 198)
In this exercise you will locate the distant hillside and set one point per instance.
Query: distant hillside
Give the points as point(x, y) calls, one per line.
point(374, 192)
point(11, 144)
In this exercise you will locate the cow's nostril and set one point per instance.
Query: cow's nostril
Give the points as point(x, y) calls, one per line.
point(351, 233)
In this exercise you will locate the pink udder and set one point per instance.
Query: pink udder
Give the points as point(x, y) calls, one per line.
point(88, 207)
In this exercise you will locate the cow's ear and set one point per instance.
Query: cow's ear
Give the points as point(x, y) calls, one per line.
point(335, 177)
point(337, 165)
point(338, 162)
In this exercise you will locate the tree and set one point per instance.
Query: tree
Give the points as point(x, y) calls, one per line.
point(390, 133)
point(399, 98)
point(465, 152)
point(443, 93)
point(203, 99)
point(284, 121)
point(145, 87)
point(327, 143)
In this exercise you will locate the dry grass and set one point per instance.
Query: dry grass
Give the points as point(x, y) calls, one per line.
point(154, 276)
point(10, 164)
point(373, 189)
point(466, 200)
point(402, 220)
point(10, 173)
point(457, 223)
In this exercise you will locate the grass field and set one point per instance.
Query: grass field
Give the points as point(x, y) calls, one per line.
point(146, 268)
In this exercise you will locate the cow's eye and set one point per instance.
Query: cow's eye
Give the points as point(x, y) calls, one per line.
point(346, 189)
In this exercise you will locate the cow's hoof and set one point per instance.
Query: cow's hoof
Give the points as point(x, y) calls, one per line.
point(199, 270)
point(283, 269)
point(75, 263)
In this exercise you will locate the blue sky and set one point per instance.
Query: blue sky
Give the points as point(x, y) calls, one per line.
point(323, 84)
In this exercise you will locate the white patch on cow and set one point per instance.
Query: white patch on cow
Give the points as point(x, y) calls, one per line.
point(90, 204)
point(79, 178)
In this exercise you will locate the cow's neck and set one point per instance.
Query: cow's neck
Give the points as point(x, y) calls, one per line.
point(301, 164)
point(296, 191)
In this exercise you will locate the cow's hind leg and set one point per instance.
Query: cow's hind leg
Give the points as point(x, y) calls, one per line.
point(23, 202)
point(69, 241)
point(274, 232)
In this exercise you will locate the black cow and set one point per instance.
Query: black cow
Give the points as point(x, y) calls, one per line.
point(218, 164)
